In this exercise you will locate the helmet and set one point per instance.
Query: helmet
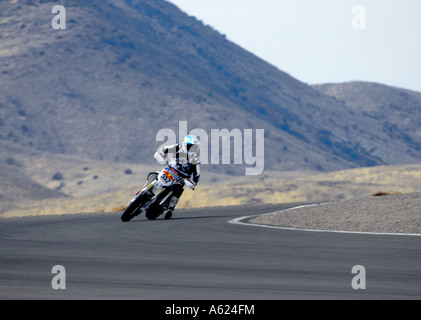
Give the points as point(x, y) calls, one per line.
point(191, 144)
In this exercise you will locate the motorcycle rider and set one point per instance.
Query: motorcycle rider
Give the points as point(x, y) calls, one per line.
point(185, 160)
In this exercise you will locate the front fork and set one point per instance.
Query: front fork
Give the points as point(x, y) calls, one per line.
point(154, 189)
point(153, 193)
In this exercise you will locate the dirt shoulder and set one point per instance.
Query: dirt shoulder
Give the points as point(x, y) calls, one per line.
point(397, 213)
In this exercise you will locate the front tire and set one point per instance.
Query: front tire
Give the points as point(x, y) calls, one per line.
point(133, 208)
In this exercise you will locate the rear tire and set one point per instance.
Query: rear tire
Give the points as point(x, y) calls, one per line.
point(153, 213)
point(155, 210)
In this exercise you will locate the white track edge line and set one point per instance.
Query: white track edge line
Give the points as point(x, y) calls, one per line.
point(238, 222)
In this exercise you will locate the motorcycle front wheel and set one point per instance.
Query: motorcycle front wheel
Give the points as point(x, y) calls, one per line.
point(133, 208)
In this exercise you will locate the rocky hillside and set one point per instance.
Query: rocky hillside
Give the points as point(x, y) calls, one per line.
point(394, 113)
point(124, 69)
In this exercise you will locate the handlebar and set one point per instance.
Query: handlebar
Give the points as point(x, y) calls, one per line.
point(187, 180)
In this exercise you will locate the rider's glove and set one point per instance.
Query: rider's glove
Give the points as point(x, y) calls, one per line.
point(161, 158)
point(191, 184)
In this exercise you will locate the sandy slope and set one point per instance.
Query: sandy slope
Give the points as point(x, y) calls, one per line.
point(395, 213)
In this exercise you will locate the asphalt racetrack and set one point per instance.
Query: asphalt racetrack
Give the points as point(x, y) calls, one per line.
point(198, 255)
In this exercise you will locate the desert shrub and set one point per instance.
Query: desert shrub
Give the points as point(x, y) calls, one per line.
point(57, 176)
point(382, 193)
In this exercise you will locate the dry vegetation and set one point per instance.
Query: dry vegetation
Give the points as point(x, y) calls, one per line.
point(97, 186)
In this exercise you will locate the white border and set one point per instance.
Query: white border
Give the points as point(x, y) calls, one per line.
point(238, 222)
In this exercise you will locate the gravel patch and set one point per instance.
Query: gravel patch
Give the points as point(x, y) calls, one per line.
point(397, 213)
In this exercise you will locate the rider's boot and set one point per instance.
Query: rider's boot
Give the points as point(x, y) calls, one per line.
point(168, 214)
point(171, 207)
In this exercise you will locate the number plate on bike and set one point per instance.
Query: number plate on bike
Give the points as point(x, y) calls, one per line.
point(166, 177)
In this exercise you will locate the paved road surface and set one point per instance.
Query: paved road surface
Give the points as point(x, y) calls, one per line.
point(199, 255)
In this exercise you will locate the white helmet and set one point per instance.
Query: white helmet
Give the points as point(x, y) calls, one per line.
point(191, 145)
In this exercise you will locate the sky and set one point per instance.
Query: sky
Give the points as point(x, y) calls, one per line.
point(324, 41)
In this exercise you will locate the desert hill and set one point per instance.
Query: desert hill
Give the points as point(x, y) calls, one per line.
point(123, 70)
point(395, 115)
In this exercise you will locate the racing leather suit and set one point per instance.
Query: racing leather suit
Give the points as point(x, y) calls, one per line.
point(187, 164)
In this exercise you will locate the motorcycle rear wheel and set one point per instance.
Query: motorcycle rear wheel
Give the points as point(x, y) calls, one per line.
point(153, 213)
point(155, 210)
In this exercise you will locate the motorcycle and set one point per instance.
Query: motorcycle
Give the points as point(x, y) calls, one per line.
point(155, 196)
